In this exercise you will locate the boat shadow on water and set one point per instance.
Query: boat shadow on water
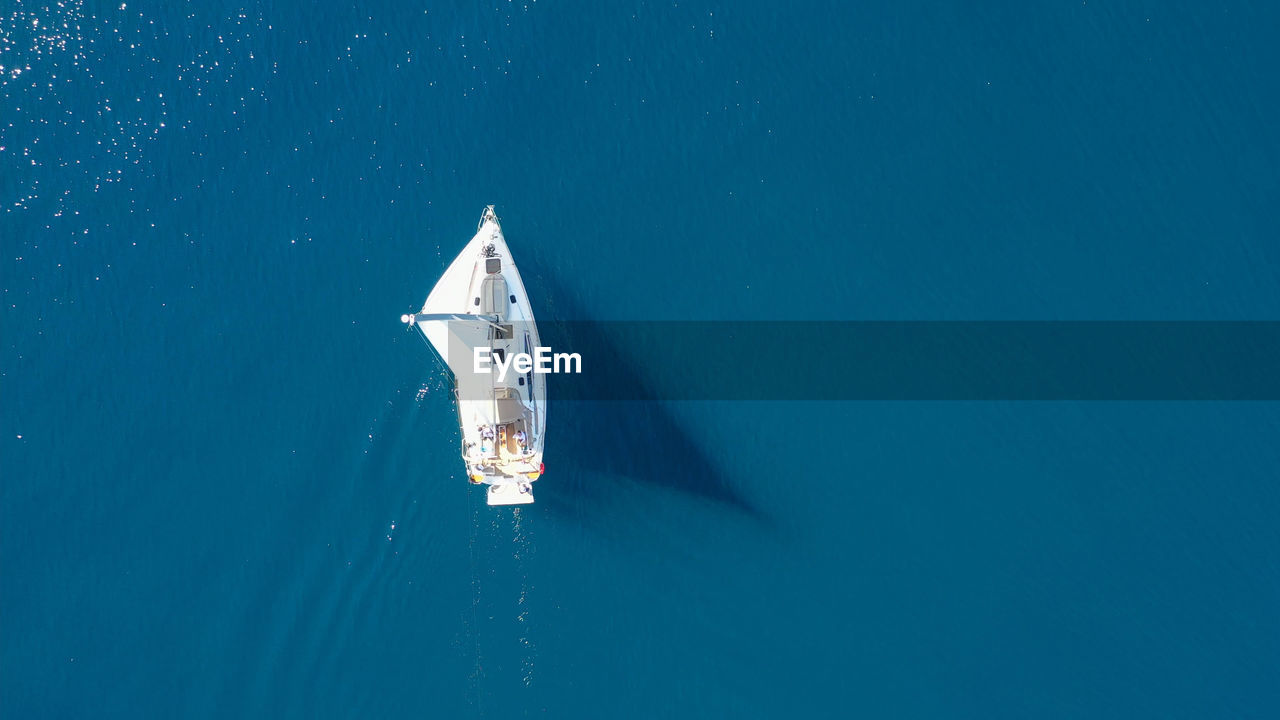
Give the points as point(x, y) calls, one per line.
point(611, 424)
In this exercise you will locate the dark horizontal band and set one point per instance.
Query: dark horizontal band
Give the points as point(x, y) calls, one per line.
point(816, 360)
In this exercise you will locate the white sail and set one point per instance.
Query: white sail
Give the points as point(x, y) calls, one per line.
point(455, 338)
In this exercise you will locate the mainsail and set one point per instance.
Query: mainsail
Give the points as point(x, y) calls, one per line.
point(455, 338)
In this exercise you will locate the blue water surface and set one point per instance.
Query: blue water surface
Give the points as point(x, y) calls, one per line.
point(229, 483)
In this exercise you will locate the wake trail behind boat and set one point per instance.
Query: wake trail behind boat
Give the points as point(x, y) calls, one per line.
point(477, 668)
point(523, 549)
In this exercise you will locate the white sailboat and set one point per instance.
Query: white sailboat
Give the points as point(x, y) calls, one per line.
point(480, 306)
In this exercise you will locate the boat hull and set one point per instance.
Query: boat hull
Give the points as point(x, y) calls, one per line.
point(480, 305)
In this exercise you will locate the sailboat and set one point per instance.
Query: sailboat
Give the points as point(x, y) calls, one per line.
point(478, 317)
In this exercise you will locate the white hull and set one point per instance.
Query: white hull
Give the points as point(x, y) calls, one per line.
point(481, 301)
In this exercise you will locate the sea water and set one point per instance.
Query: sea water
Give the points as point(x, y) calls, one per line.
point(230, 479)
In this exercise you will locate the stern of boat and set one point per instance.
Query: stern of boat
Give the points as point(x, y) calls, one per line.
point(510, 493)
